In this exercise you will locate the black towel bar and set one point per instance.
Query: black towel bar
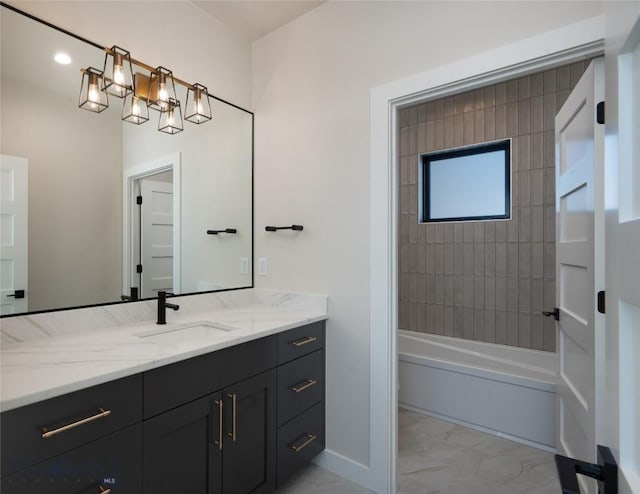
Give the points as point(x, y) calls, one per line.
point(297, 228)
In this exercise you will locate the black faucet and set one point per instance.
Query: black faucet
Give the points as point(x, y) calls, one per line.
point(162, 307)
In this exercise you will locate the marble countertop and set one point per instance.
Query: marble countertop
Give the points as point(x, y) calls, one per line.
point(42, 368)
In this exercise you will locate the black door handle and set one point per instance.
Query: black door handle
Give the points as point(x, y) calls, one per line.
point(17, 294)
point(605, 472)
point(555, 313)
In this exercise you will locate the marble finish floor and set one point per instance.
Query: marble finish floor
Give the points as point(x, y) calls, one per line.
point(438, 457)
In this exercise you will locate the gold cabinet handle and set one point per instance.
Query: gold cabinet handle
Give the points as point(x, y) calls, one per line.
point(220, 424)
point(232, 434)
point(46, 434)
point(304, 341)
point(301, 387)
point(309, 439)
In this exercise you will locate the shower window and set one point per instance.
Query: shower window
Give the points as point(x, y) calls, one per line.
point(466, 184)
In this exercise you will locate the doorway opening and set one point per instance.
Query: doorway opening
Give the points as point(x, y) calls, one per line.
point(474, 73)
point(152, 227)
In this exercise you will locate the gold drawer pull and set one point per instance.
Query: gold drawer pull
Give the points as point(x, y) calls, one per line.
point(304, 341)
point(101, 414)
point(232, 434)
point(220, 424)
point(310, 438)
point(301, 387)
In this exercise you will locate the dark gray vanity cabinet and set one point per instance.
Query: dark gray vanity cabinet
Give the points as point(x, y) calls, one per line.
point(301, 393)
point(224, 442)
point(180, 453)
point(210, 422)
point(108, 465)
point(249, 460)
point(240, 420)
point(89, 439)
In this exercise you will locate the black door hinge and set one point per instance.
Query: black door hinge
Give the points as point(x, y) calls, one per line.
point(555, 314)
point(601, 302)
point(139, 200)
point(139, 268)
point(600, 112)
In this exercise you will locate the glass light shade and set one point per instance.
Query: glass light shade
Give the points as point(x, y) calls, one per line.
point(135, 110)
point(118, 72)
point(170, 120)
point(198, 107)
point(92, 98)
point(161, 89)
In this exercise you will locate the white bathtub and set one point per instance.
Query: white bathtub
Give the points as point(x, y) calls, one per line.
point(506, 391)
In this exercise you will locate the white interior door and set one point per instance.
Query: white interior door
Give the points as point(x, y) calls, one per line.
point(623, 240)
point(156, 237)
point(14, 248)
point(580, 267)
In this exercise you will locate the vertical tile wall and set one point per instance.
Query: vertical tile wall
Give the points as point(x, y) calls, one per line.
point(490, 280)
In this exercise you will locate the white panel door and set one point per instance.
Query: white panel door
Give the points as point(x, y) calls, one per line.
point(14, 248)
point(156, 237)
point(623, 240)
point(580, 266)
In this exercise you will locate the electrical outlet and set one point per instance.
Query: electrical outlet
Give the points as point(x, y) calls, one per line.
point(244, 265)
point(262, 266)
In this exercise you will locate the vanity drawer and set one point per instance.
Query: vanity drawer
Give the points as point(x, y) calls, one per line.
point(299, 441)
point(112, 462)
point(300, 385)
point(34, 433)
point(173, 385)
point(300, 341)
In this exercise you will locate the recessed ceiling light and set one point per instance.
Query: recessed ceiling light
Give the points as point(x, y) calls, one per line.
point(62, 58)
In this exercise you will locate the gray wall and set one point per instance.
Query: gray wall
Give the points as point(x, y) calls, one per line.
point(488, 280)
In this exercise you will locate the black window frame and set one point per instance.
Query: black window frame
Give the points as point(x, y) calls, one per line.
point(476, 149)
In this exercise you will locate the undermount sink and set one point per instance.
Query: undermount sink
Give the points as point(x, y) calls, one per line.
point(198, 330)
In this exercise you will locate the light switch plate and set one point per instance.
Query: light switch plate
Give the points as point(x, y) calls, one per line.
point(262, 266)
point(244, 265)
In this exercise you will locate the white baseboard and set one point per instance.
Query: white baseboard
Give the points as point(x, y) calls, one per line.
point(346, 468)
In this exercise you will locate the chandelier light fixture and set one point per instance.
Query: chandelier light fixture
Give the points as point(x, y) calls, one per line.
point(170, 120)
point(135, 110)
point(198, 107)
point(118, 72)
point(162, 89)
point(144, 89)
point(92, 98)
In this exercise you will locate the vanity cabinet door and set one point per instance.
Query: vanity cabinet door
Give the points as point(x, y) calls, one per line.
point(110, 464)
point(248, 464)
point(182, 449)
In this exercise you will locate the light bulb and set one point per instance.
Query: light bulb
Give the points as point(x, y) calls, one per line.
point(170, 118)
point(118, 75)
point(135, 109)
point(93, 94)
point(163, 95)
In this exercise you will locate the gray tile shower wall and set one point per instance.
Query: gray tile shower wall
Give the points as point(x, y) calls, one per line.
point(490, 280)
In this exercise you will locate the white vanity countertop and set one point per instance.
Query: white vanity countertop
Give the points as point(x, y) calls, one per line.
point(38, 369)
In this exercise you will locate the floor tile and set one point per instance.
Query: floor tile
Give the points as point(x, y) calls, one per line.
point(439, 457)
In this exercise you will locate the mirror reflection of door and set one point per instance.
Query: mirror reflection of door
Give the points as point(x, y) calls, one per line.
point(13, 234)
point(155, 233)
